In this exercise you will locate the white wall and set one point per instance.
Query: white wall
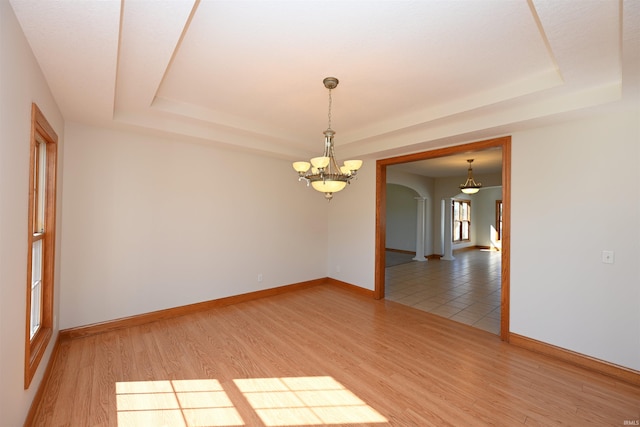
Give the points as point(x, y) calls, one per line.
point(435, 189)
point(574, 194)
point(424, 186)
point(561, 293)
point(483, 215)
point(21, 83)
point(351, 231)
point(401, 218)
point(155, 223)
point(447, 188)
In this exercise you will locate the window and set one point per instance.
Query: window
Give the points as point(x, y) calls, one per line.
point(498, 220)
point(461, 220)
point(41, 237)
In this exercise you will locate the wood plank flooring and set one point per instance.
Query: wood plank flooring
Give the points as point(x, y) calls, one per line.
point(320, 356)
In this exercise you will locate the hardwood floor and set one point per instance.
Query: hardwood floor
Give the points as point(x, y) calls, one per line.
point(320, 356)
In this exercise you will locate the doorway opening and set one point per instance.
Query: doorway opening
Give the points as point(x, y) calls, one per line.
point(503, 143)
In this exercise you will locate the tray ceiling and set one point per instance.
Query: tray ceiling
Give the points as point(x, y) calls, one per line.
point(248, 74)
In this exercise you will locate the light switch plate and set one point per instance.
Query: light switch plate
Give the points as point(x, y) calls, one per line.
point(607, 257)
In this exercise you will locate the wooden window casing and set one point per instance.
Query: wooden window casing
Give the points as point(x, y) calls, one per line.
point(41, 242)
point(461, 221)
point(498, 220)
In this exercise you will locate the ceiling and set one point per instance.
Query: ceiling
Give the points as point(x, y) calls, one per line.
point(485, 162)
point(413, 74)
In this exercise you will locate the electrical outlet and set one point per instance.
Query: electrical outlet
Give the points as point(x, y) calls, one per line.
point(607, 257)
point(338, 269)
point(260, 277)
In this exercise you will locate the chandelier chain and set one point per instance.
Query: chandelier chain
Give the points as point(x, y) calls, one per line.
point(329, 113)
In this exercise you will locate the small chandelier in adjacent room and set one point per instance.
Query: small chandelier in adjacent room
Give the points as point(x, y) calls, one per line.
point(471, 186)
point(323, 173)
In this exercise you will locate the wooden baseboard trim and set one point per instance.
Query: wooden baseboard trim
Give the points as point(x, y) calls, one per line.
point(618, 372)
point(483, 247)
point(141, 319)
point(350, 287)
point(400, 251)
point(45, 378)
point(474, 248)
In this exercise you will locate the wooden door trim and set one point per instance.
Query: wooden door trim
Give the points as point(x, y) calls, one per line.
point(381, 197)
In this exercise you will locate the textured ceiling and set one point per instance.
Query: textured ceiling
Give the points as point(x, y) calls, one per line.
point(249, 74)
point(484, 162)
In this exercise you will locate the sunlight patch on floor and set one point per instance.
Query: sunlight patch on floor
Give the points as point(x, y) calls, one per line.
point(277, 401)
point(177, 403)
point(305, 401)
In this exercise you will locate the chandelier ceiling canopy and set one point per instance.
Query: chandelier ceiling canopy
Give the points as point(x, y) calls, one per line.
point(323, 172)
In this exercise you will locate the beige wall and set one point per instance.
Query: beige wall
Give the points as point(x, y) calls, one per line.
point(153, 223)
point(350, 228)
point(573, 196)
point(561, 292)
point(425, 187)
point(21, 83)
point(401, 218)
point(448, 188)
point(483, 219)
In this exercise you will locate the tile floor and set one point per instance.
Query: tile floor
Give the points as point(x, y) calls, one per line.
point(466, 289)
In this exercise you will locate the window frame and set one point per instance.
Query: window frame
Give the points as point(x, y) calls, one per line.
point(44, 231)
point(498, 220)
point(458, 223)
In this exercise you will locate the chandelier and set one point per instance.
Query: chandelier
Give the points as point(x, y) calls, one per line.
point(323, 173)
point(471, 186)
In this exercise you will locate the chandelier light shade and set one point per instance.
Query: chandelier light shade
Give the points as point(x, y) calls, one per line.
point(323, 173)
point(471, 186)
